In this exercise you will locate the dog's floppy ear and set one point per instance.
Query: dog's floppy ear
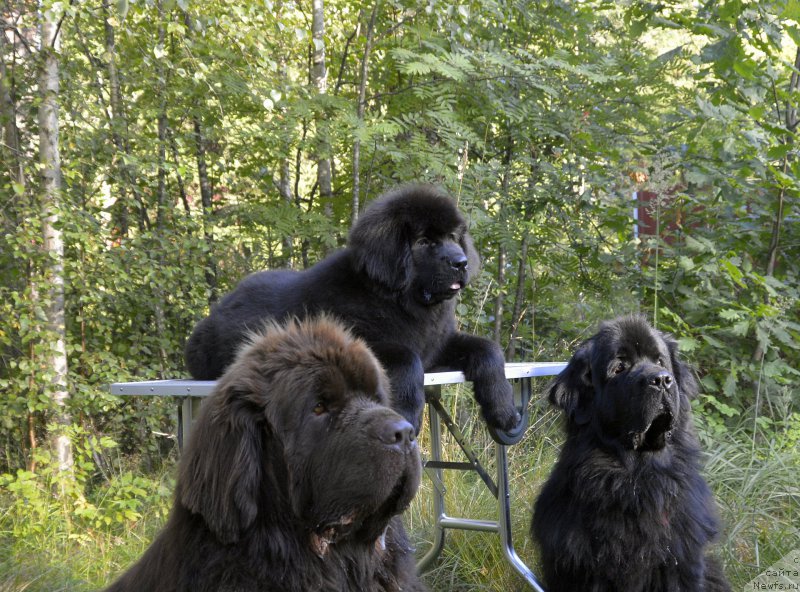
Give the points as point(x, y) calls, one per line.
point(572, 389)
point(381, 246)
point(681, 371)
point(221, 471)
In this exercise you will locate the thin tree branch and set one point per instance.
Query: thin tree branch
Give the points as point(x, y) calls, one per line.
point(58, 26)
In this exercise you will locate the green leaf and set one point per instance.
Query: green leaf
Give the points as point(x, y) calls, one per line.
point(745, 68)
point(794, 33)
point(686, 263)
point(122, 9)
point(741, 328)
point(734, 273)
point(730, 315)
point(778, 152)
point(791, 11)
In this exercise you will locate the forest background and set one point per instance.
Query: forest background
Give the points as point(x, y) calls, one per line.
point(155, 151)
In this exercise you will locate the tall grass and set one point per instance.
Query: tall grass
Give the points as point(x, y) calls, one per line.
point(74, 543)
point(758, 494)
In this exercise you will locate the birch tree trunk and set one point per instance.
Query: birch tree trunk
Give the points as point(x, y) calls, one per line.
point(285, 173)
point(319, 77)
point(53, 277)
point(362, 104)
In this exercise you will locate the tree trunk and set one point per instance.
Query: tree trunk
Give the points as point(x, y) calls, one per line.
point(162, 75)
point(285, 169)
point(206, 195)
point(53, 276)
point(162, 199)
point(9, 146)
point(178, 177)
point(118, 125)
point(790, 123)
point(516, 317)
point(361, 108)
point(499, 303)
point(285, 190)
point(319, 77)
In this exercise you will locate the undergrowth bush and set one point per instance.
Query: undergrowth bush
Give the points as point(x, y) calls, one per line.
point(63, 531)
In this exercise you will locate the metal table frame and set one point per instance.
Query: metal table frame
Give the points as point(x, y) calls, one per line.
point(190, 393)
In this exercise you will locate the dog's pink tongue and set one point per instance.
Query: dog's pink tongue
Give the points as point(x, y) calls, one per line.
point(320, 544)
point(456, 286)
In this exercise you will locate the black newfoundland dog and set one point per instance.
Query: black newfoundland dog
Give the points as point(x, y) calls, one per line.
point(293, 478)
point(625, 509)
point(394, 285)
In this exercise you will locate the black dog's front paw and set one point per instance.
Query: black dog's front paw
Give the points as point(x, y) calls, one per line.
point(496, 399)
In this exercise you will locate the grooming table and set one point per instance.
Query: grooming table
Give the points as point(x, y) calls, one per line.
point(190, 394)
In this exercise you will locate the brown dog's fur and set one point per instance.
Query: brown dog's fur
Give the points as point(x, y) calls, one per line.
point(293, 478)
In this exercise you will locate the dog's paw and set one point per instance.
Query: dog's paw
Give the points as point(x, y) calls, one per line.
point(496, 399)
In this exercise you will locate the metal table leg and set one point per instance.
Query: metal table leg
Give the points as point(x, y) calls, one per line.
point(504, 503)
point(434, 469)
point(188, 410)
point(438, 485)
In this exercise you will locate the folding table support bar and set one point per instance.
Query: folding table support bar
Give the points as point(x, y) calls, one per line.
point(434, 467)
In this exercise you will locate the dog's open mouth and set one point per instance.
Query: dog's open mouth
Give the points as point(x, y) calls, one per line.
point(656, 434)
point(327, 534)
point(396, 502)
point(359, 528)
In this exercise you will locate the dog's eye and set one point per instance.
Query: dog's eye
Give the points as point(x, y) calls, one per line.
point(619, 367)
point(320, 408)
point(424, 242)
point(662, 363)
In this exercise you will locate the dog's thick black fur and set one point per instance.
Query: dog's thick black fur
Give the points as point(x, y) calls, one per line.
point(294, 477)
point(626, 509)
point(394, 284)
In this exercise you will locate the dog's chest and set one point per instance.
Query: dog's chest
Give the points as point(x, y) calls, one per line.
point(638, 520)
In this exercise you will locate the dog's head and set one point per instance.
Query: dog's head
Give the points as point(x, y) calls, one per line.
point(415, 240)
point(298, 434)
point(628, 384)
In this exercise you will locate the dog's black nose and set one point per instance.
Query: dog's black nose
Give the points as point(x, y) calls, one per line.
point(663, 379)
point(396, 433)
point(459, 262)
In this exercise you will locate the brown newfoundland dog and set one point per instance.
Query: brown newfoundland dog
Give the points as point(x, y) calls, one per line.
point(394, 285)
point(626, 509)
point(293, 478)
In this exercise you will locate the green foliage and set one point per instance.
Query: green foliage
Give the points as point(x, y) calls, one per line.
point(727, 279)
point(543, 119)
point(80, 518)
